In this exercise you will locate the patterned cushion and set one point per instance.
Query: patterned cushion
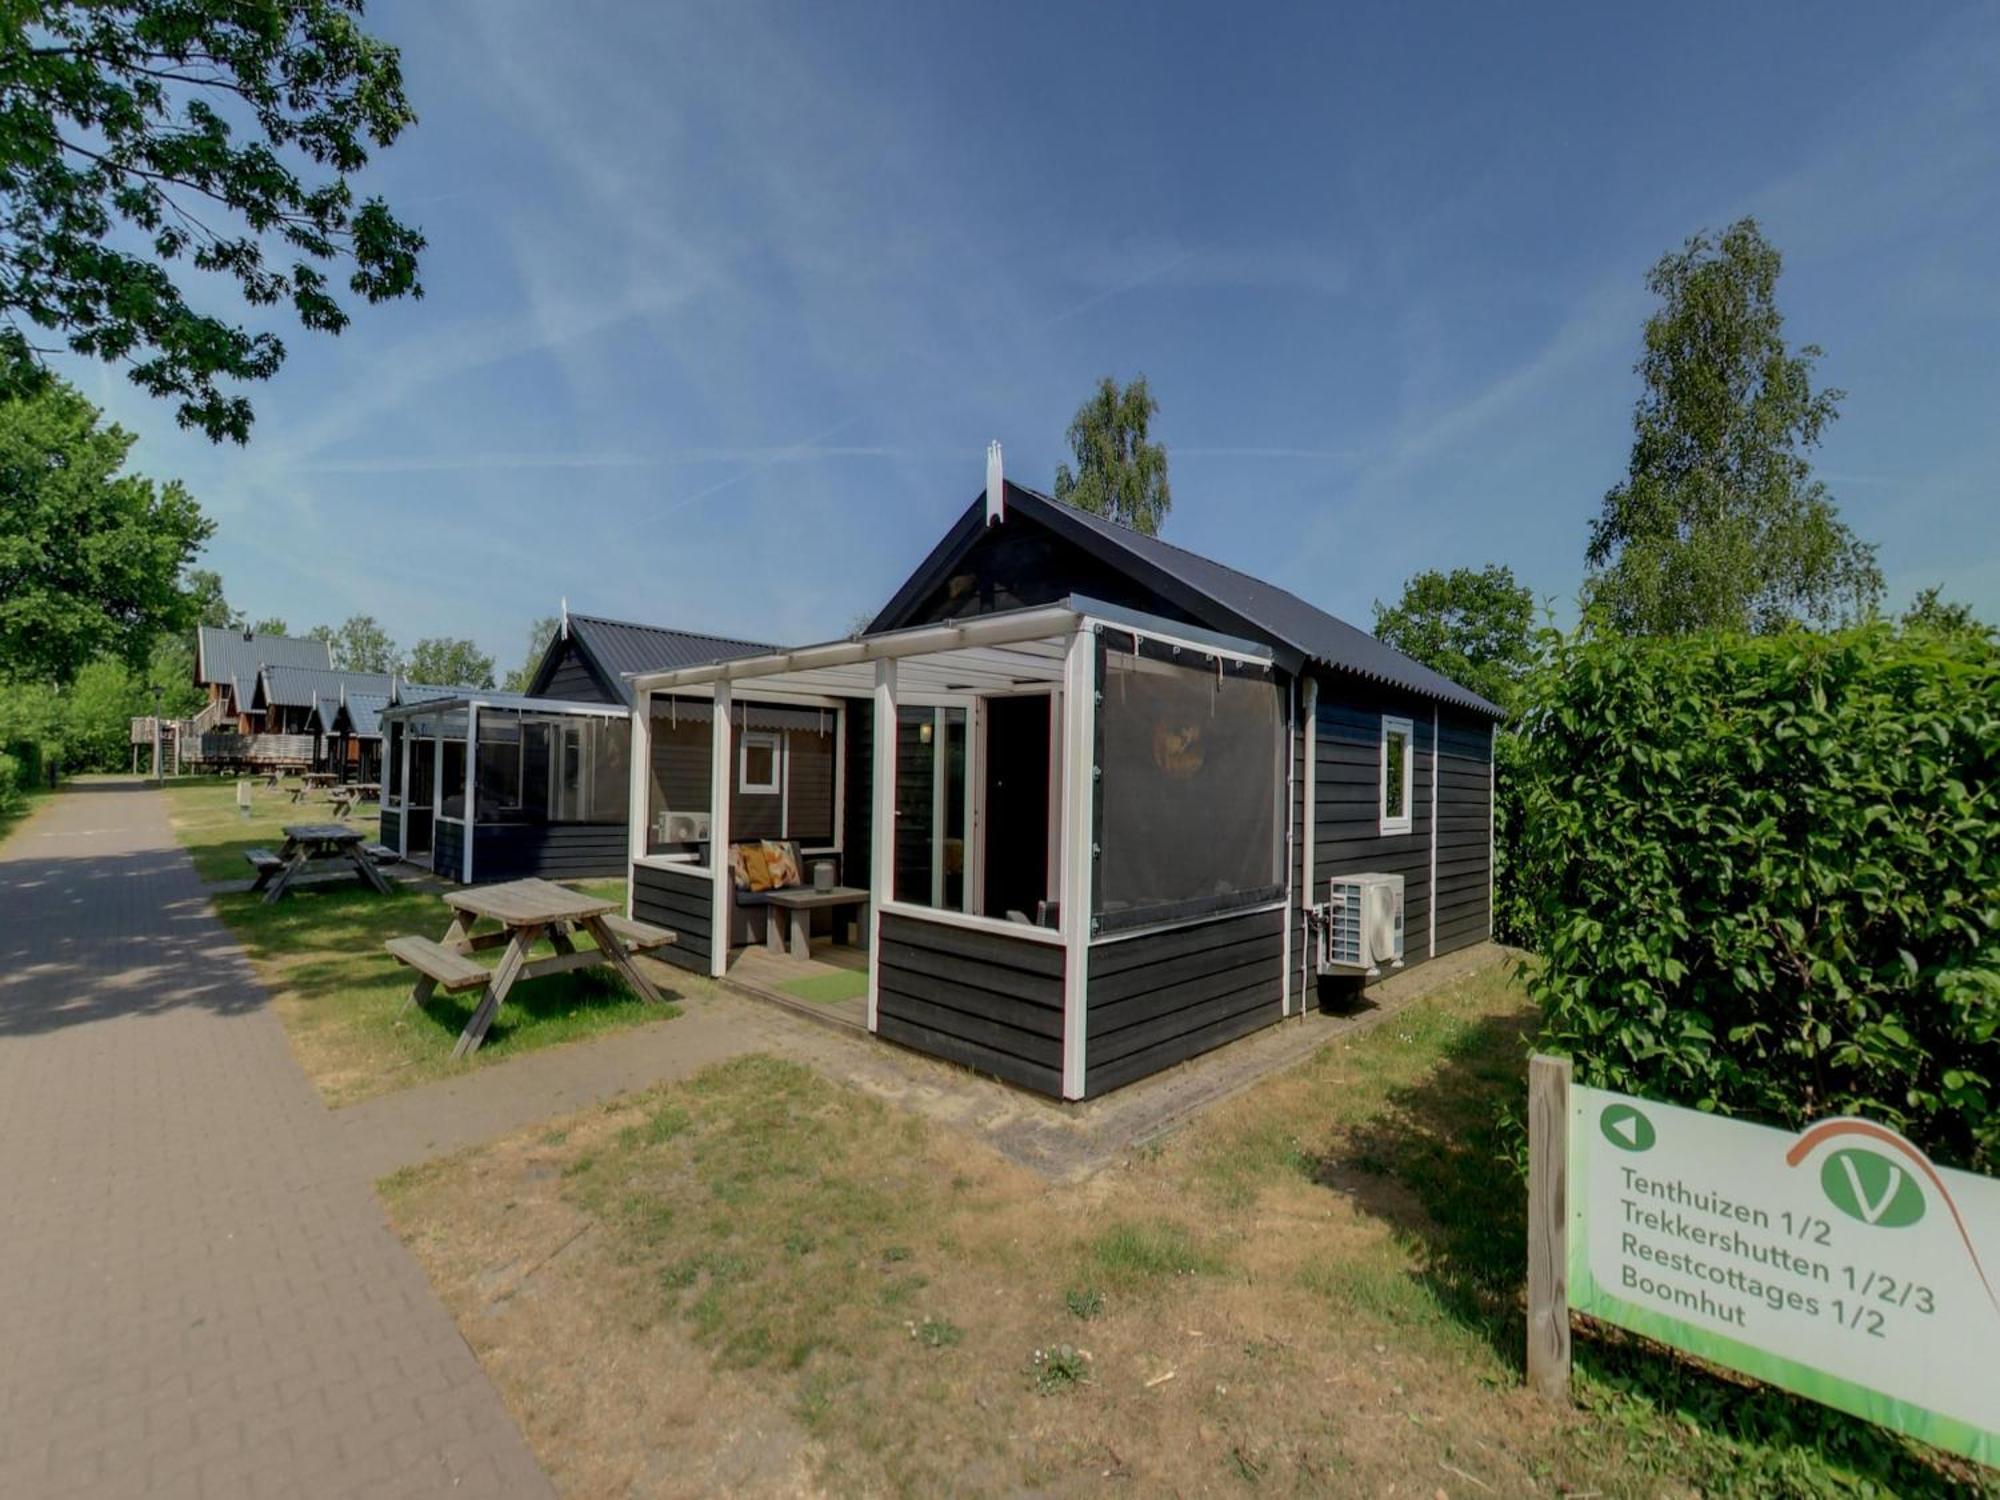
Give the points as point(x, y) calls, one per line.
point(781, 860)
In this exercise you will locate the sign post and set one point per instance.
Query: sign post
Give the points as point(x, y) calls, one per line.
point(1839, 1263)
point(1548, 1226)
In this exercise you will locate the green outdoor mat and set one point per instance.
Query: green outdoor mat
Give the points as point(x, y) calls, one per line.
point(826, 989)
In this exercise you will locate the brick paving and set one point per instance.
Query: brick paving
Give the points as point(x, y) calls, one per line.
point(198, 1294)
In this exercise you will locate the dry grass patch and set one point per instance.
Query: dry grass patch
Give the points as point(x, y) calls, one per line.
point(761, 1282)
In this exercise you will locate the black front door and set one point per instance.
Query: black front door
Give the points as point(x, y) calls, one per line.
point(1017, 804)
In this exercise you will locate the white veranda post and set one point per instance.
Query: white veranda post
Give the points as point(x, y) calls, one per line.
point(1079, 776)
point(882, 825)
point(719, 782)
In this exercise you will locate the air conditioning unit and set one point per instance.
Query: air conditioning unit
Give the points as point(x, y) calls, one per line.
point(680, 828)
point(1360, 926)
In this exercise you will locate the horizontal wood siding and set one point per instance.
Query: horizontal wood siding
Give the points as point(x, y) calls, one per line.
point(1156, 1000)
point(1464, 910)
point(1347, 836)
point(392, 827)
point(448, 849)
point(574, 682)
point(988, 1001)
point(683, 902)
point(553, 851)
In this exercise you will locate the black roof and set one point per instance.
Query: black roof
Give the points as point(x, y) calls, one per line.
point(1217, 595)
point(618, 647)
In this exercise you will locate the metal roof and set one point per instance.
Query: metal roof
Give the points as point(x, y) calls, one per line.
point(620, 648)
point(1212, 592)
point(222, 653)
point(297, 687)
point(363, 714)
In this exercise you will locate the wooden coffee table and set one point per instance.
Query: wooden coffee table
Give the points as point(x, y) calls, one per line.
point(802, 901)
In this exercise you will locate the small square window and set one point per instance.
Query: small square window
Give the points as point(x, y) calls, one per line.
point(759, 771)
point(1398, 767)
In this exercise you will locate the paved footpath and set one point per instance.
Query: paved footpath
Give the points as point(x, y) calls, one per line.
point(198, 1293)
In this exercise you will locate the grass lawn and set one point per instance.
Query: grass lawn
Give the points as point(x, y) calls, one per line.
point(762, 1282)
point(341, 997)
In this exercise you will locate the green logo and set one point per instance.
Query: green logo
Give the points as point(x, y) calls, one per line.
point(1626, 1128)
point(1870, 1187)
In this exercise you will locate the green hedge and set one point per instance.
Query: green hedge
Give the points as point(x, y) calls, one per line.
point(1764, 879)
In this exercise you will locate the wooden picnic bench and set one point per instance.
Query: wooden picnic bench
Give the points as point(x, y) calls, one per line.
point(527, 911)
point(310, 845)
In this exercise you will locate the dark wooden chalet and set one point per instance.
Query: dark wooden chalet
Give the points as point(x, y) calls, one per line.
point(485, 785)
point(1098, 790)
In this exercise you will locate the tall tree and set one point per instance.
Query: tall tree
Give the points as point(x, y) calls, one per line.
point(91, 558)
point(539, 635)
point(1120, 473)
point(270, 625)
point(449, 661)
point(206, 601)
point(1930, 611)
point(1473, 625)
point(1719, 523)
point(143, 139)
point(359, 644)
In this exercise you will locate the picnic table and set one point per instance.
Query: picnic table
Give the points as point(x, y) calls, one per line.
point(306, 846)
point(311, 782)
point(352, 794)
point(527, 911)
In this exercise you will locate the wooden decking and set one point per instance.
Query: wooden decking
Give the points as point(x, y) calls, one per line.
point(758, 971)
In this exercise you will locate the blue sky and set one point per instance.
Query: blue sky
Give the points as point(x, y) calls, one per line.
point(725, 301)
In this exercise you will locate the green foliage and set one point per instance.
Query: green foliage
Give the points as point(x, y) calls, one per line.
point(270, 625)
point(359, 644)
point(206, 602)
point(90, 557)
point(1120, 474)
point(539, 635)
point(1474, 626)
point(142, 137)
point(1930, 611)
point(1764, 879)
point(1719, 524)
point(1084, 1302)
point(1061, 1368)
point(449, 661)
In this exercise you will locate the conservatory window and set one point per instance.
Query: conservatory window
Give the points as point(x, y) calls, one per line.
point(1398, 767)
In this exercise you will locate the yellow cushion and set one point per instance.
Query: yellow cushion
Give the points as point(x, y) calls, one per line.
point(756, 869)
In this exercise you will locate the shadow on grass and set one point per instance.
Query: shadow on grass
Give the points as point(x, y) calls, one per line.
point(329, 940)
point(1452, 1147)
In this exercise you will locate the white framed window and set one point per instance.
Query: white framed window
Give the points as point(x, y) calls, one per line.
point(757, 763)
point(1398, 773)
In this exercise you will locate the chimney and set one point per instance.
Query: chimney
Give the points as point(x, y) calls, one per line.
point(996, 486)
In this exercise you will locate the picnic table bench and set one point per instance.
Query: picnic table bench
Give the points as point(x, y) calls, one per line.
point(527, 911)
point(308, 845)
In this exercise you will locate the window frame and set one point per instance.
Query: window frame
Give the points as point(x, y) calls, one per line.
point(1404, 822)
point(774, 741)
